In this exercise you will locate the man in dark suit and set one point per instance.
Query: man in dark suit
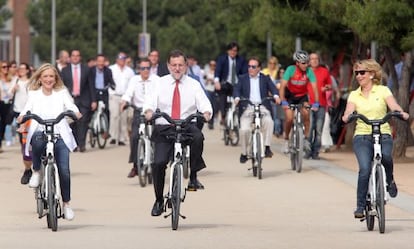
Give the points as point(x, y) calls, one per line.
point(75, 78)
point(157, 67)
point(255, 86)
point(229, 67)
point(101, 77)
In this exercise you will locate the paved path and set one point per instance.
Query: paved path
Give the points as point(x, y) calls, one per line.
point(285, 209)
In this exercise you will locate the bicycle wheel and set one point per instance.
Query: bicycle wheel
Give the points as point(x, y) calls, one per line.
point(51, 200)
point(91, 136)
point(299, 148)
point(176, 196)
point(142, 174)
point(186, 163)
point(292, 146)
point(370, 219)
point(226, 136)
point(103, 123)
point(380, 200)
point(234, 132)
point(259, 154)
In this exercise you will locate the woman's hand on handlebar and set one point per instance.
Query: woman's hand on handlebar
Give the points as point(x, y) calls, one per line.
point(207, 116)
point(78, 115)
point(148, 114)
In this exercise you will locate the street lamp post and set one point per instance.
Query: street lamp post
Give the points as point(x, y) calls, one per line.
point(53, 45)
point(99, 26)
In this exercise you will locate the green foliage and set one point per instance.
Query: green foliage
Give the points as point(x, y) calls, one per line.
point(5, 13)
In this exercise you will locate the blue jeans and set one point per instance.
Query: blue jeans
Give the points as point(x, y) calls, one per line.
point(317, 118)
point(277, 119)
point(38, 143)
point(363, 149)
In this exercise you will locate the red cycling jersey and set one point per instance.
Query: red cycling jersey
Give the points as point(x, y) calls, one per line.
point(298, 80)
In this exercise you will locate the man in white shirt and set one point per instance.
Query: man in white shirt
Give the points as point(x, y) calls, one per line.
point(138, 86)
point(118, 120)
point(192, 99)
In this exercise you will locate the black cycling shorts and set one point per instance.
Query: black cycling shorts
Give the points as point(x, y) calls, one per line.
point(292, 99)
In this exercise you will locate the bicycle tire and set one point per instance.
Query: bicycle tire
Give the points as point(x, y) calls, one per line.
point(226, 136)
point(91, 136)
point(253, 156)
point(370, 219)
point(234, 132)
point(380, 198)
point(40, 205)
point(186, 163)
point(51, 200)
point(176, 197)
point(292, 151)
point(299, 149)
point(103, 123)
point(142, 174)
point(259, 155)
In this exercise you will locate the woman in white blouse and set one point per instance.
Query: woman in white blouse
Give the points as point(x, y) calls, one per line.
point(48, 97)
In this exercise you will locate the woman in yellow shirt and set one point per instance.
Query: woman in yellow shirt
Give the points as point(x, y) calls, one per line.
point(372, 100)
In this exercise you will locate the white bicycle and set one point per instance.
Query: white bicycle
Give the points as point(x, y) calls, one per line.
point(231, 126)
point(47, 194)
point(376, 197)
point(99, 127)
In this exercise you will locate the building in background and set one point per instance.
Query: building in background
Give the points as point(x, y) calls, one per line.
point(16, 34)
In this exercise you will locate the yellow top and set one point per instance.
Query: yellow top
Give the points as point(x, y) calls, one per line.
point(373, 107)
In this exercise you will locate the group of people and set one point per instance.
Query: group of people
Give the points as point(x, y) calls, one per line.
point(178, 88)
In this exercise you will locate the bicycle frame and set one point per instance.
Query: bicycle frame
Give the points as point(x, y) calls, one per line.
point(96, 124)
point(178, 162)
point(230, 122)
point(50, 160)
point(257, 115)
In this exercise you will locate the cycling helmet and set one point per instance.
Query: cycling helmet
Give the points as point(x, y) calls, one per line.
point(301, 56)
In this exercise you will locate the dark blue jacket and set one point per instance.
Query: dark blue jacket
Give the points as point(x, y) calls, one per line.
point(242, 90)
point(222, 68)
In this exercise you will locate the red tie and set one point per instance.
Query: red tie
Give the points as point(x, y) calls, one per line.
point(175, 111)
point(76, 88)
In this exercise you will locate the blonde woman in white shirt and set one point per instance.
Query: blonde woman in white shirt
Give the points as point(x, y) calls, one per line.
point(48, 97)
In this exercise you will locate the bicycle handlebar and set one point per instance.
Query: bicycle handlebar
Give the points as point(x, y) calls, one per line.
point(51, 122)
point(298, 106)
point(181, 122)
point(385, 119)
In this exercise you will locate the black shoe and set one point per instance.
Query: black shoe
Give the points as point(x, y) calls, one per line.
point(392, 189)
point(243, 158)
point(82, 149)
point(192, 185)
point(307, 156)
point(113, 141)
point(76, 149)
point(359, 213)
point(316, 157)
point(133, 173)
point(210, 126)
point(158, 208)
point(198, 184)
point(268, 152)
point(26, 176)
point(121, 143)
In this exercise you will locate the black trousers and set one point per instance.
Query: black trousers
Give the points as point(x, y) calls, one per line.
point(163, 153)
point(103, 95)
point(226, 90)
point(80, 127)
point(136, 120)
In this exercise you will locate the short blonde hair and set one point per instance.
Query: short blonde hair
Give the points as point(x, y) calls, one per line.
point(35, 83)
point(370, 65)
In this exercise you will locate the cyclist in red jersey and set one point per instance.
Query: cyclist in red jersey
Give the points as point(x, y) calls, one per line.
point(294, 90)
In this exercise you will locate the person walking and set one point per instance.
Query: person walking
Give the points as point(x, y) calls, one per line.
point(20, 92)
point(118, 120)
point(317, 117)
point(157, 67)
point(179, 96)
point(75, 78)
point(5, 99)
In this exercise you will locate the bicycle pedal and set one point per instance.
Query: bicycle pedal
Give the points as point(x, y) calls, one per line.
point(167, 215)
point(182, 216)
point(362, 219)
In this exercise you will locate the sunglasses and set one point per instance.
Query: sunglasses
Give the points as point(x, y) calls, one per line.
point(361, 72)
point(144, 68)
point(4, 66)
point(252, 66)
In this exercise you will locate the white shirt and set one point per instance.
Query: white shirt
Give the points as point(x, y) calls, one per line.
point(121, 78)
point(49, 107)
point(255, 97)
point(192, 97)
point(20, 96)
point(138, 88)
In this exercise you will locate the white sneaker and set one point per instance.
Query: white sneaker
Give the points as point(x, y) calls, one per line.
point(68, 213)
point(286, 147)
point(34, 180)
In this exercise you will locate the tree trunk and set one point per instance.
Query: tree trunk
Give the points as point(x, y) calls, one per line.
point(402, 128)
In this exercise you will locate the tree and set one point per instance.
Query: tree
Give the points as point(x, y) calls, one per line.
point(5, 13)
